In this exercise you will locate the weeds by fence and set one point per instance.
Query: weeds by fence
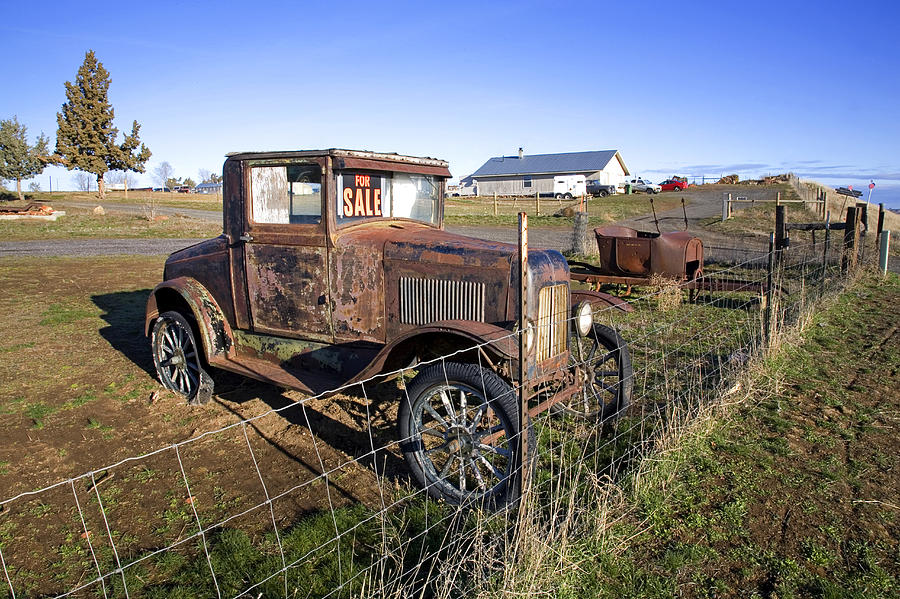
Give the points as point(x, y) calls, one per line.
point(227, 513)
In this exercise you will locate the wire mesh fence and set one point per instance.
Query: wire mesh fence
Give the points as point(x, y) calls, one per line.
point(420, 491)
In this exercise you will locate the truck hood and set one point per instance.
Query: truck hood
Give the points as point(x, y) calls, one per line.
point(427, 245)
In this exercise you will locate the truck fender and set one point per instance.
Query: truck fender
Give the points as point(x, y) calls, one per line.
point(599, 300)
point(498, 342)
point(215, 332)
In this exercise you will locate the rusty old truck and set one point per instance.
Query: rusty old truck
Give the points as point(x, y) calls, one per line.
point(334, 267)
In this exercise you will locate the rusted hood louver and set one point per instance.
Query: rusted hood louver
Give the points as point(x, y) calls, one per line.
point(431, 300)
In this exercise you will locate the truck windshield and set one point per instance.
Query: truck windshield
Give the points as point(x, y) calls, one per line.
point(368, 195)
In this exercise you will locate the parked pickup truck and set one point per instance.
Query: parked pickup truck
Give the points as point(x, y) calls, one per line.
point(643, 185)
point(334, 267)
point(595, 188)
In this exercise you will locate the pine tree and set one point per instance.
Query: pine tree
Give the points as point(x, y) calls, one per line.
point(18, 160)
point(86, 138)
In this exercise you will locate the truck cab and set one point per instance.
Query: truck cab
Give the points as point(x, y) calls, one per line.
point(333, 267)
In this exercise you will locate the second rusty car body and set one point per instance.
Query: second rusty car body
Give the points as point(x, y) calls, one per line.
point(333, 267)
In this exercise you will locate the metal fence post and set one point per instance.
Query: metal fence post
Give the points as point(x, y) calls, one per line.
point(884, 255)
point(767, 325)
point(825, 253)
point(726, 205)
point(523, 311)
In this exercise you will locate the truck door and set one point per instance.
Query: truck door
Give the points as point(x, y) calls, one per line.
point(285, 251)
point(356, 262)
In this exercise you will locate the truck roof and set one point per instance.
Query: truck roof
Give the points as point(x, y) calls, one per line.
point(337, 152)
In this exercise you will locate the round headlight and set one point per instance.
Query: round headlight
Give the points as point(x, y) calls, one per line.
point(584, 318)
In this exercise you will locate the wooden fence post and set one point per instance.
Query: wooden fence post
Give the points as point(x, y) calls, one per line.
point(863, 211)
point(495, 203)
point(579, 241)
point(851, 236)
point(780, 233)
point(537, 203)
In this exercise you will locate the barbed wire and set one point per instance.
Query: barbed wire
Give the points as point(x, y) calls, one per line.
point(709, 351)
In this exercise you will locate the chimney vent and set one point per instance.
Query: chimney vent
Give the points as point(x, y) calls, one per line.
point(521, 154)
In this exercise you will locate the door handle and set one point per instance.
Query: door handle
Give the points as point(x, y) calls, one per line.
point(246, 237)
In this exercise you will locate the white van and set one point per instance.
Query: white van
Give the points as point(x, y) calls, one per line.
point(569, 186)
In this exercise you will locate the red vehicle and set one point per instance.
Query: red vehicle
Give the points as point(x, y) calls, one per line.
point(675, 184)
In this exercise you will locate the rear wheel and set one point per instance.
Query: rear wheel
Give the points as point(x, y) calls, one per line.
point(676, 189)
point(559, 196)
point(176, 357)
point(568, 196)
point(603, 193)
point(458, 425)
point(603, 366)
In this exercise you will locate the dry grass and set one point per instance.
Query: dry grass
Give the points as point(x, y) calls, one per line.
point(668, 292)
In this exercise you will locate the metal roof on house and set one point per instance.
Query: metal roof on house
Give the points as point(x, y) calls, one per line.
point(207, 185)
point(534, 164)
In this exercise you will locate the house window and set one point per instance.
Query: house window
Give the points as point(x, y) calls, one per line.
point(526, 181)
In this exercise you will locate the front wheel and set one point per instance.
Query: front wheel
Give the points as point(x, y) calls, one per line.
point(568, 196)
point(676, 189)
point(458, 425)
point(602, 364)
point(604, 193)
point(559, 196)
point(176, 357)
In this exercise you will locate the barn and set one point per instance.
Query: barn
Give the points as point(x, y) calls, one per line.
point(526, 174)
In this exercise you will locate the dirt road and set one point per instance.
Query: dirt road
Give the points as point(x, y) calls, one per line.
point(701, 204)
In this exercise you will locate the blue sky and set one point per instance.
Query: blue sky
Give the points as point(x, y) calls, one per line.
point(686, 88)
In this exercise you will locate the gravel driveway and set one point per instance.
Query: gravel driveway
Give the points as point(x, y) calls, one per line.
point(703, 204)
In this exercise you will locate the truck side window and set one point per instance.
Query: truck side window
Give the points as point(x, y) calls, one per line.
point(286, 194)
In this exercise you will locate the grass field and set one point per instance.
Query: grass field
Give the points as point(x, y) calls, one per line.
point(79, 223)
point(809, 447)
point(137, 198)
point(793, 494)
point(480, 210)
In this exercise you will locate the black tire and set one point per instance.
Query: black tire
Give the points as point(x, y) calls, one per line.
point(559, 196)
point(676, 189)
point(568, 196)
point(609, 378)
point(178, 358)
point(448, 410)
point(604, 193)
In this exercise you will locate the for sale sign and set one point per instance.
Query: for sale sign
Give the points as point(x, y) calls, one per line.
point(361, 195)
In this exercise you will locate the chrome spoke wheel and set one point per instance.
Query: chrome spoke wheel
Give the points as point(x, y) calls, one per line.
point(177, 359)
point(458, 434)
point(602, 366)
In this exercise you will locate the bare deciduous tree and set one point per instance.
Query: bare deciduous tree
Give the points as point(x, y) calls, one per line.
point(163, 173)
point(82, 181)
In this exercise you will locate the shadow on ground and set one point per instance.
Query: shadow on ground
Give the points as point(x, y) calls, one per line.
point(123, 312)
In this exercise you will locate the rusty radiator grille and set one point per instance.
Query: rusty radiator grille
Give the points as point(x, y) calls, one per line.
point(553, 321)
point(430, 300)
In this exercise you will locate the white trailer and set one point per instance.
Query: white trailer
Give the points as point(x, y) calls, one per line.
point(569, 186)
